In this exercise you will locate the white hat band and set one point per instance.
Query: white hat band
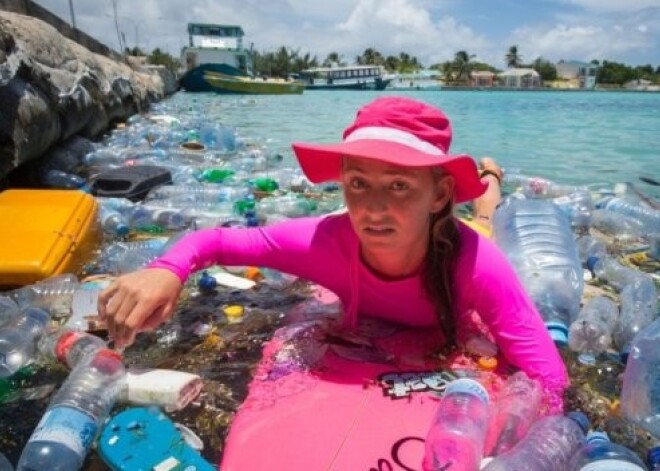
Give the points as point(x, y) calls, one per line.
point(393, 135)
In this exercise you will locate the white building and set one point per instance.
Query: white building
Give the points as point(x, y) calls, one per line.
point(519, 78)
point(584, 72)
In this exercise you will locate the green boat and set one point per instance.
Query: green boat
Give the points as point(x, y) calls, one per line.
point(216, 61)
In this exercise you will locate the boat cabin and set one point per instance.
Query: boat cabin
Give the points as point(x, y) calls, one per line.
point(215, 44)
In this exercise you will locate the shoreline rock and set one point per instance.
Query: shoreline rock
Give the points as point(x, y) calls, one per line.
point(52, 89)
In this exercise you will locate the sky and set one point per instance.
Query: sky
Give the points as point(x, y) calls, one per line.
point(625, 31)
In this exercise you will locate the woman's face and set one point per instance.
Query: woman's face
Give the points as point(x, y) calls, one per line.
point(389, 206)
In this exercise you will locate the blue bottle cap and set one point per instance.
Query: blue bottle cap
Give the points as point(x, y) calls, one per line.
point(467, 386)
point(558, 332)
point(251, 221)
point(122, 230)
point(623, 354)
point(591, 262)
point(653, 457)
point(597, 437)
point(207, 282)
point(581, 419)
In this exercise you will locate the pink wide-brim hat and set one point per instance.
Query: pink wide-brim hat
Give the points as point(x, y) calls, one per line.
point(399, 131)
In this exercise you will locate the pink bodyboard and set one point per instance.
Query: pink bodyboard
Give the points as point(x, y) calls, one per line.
point(321, 401)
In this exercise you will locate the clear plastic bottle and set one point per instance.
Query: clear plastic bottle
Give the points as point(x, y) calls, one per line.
point(152, 215)
point(649, 217)
point(600, 454)
point(59, 179)
point(515, 409)
point(18, 340)
point(591, 333)
point(589, 246)
point(211, 193)
point(5, 465)
point(638, 297)
point(54, 294)
point(9, 311)
point(113, 223)
point(537, 238)
point(621, 227)
point(548, 446)
point(578, 206)
point(640, 394)
point(125, 257)
point(457, 435)
point(66, 431)
point(653, 459)
point(70, 347)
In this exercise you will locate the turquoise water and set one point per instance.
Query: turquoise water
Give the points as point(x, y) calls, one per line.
point(571, 137)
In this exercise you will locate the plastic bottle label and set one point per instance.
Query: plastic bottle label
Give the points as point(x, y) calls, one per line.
point(611, 465)
point(70, 427)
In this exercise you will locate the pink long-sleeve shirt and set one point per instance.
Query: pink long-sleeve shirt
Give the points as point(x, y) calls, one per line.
point(325, 250)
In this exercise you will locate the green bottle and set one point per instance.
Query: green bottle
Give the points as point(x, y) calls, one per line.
point(10, 387)
point(265, 184)
point(215, 175)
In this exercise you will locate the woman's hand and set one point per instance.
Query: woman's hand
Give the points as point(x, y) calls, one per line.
point(138, 301)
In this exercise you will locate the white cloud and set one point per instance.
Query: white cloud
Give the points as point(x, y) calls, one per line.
point(579, 42)
point(642, 28)
point(614, 5)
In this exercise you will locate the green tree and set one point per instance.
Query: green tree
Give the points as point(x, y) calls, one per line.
point(333, 57)
point(159, 57)
point(546, 69)
point(463, 66)
point(370, 56)
point(512, 57)
point(392, 63)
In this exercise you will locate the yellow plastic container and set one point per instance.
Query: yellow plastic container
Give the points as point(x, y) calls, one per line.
point(45, 233)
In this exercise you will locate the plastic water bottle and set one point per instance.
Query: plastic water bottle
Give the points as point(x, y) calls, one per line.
point(649, 217)
point(113, 223)
point(151, 215)
point(591, 333)
point(125, 257)
point(653, 459)
point(54, 294)
point(5, 465)
point(456, 438)
point(9, 311)
point(537, 239)
point(70, 347)
point(18, 341)
point(638, 297)
point(70, 424)
point(514, 411)
point(60, 179)
point(578, 207)
point(548, 446)
point(600, 454)
point(640, 394)
point(621, 227)
point(589, 246)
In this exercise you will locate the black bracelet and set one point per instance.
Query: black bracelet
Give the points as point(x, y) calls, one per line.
point(490, 172)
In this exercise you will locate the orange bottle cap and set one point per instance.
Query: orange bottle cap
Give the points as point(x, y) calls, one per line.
point(487, 363)
point(253, 273)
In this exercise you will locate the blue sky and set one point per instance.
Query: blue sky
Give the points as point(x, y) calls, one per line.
point(432, 30)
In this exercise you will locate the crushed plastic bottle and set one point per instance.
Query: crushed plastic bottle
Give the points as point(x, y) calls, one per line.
point(640, 394)
point(70, 347)
point(548, 446)
point(647, 216)
point(9, 310)
point(514, 411)
point(113, 223)
point(54, 294)
point(638, 296)
point(591, 333)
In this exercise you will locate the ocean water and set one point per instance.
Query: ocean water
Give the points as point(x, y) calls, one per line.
point(571, 137)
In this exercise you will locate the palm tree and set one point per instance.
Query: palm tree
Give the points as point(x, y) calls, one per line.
point(331, 58)
point(462, 63)
point(513, 59)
